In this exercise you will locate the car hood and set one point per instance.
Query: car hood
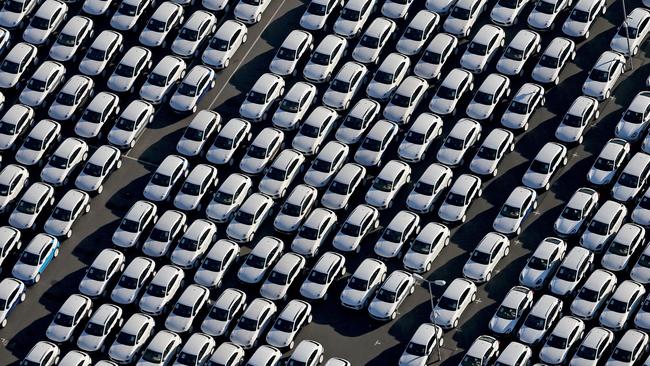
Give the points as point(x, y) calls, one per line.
point(151, 38)
point(566, 133)
point(286, 222)
point(60, 111)
point(472, 61)
point(600, 177)
point(500, 325)
point(575, 29)
point(415, 260)
point(58, 333)
point(482, 166)
point(250, 274)
point(408, 47)
point(281, 67)
point(623, 193)
point(561, 287)
point(177, 324)
point(214, 327)
point(552, 355)
point(243, 337)
point(475, 271)
point(367, 157)
point(123, 238)
point(20, 220)
point(189, 147)
point(450, 212)
point(378, 198)
point(317, 179)
point(439, 6)
point(123, 295)
point(272, 291)
point(353, 297)
point(10, 19)
point(8, 80)
point(183, 258)
point(87, 129)
point(449, 156)
point(583, 309)
point(183, 47)
point(151, 304)
point(544, 74)
point(207, 278)
point(540, 20)
point(186, 202)
point(245, 11)
point(441, 106)
point(312, 22)
point(566, 227)
point(348, 135)
point(89, 342)
point(155, 192)
point(122, 22)
point(508, 66)
point(62, 53)
point(364, 54)
point(270, 186)
point(593, 241)
point(91, 288)
point(304, 144)
point(279, 339)
point(381, 309)
point(506, 225)
point(614, 262)
point(313, 290)
point(344, 242)
point(534, 180)
point(119, 83)
point(56, 227)
point(346, 28)
point(503, 14)
point(529, 335)
point(252, 110)
point(333, 201)
point(121, 352)
point(152, 92)
point(479, 111)
point(32, 98)
point(455, 25)
point(640, 274)
point(35, 36)
point(91, 67)
point(531, 277)
point(379, 90)
point(387, 249)
point(407, 359)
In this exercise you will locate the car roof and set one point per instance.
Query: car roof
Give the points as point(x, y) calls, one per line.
point(299, 193)
point(285, 157)
point(363, 107)
point(264, 82)
point(359, 213)
point(640, 102)
point(105, 38)
point(496, 137)
point(165, 66)
point(455, 76)
point(73, 303)
point(327, 45)
point(392, 169)
point(298, 90)
point(636, 16)
point(135, 323)
point(135, 108)
point(367, 268)
point(422, 18)
point(381, 128)
point(9, 172)
point(547, 246)
point(233, 182)
point(68, 146)
point(401, 219)
point(137, 266)
point(543, 305)
point(606, 211)
point(523, 38)
point(196, 342)
point(19, 52)
point(48, 7)
point(510, 355)
point(549, 151)
point(489, 241)
point(318, 115)
point(76, 24)
point(348, 171)
point(40, 349)
point(37, 189)
point(162, 339)
point(595, 336)
point(565, 325)
point(395, 279)
point(228, 297)
point(631, 338)
point(197, 18)
point(165, 274)
point(71, 198)
point(196, 74)
point(198, 173)
point(254, 202)
point(628, 232)
point(292, 309)
point(327, 261)
point(575, 256)
point(355, 4)
point(527, 91)
point(391, 61)
point(433, 171)
point(257, 305)
point(8, 285)
point(481, 345)
point(350, 69)
point(101, 315)
point(233, 126)
point(463, 182)
point(135, 53)
point(519, 195)
point(331, 150)
point(612, 148)
point(138, 209)
point(408, 85)
point(43, 128)
point(597, 279)
point(265, 245)
point(440, 41)
point(304, 350)
point(486, 33)
point(197, 227)
point(266, 135)
point(580, 197)
point(515, 296)
point(191, 293)
point(457, 287)
point(170, 164)
point(492, 82)
point(288, 261)
point(165, 10)
point(378, 25)
point(105, 258)
point(16, 112)
point(424, 333)
point(580, 105)
point(557, 45)
point(294, 39)
point(227, 29)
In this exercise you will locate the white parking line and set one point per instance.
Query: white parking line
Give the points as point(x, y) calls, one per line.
point(143, 162)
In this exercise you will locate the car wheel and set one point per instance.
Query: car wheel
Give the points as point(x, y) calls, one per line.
point(455, 324)
point(290, 346)
point(412, 290)
point(635, 50)
point(488, 277)
point(357, 249)
point(320, 359)
point(131, 144)
point(393, 316)
point(310, 318)
point(463, 219)
point(495, 172)
point(427, 268)
point(56, 252)
point(565, 160)
point(608, 94)
point(37, 278)
point(19, 245)
point(547, 186)
point(518, 231)
point(526, 126)
point(68, 234)
point(258, 18)
point(556, 81)
point(100, 189)
point(535, 205)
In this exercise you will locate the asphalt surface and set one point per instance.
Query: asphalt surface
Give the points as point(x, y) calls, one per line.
point(344, 333)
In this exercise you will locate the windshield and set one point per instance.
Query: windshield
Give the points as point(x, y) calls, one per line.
point(91, 116)
point(152, 356)
point(567, 274)
point(371, 144)
point(518, 107)
point(61, 214)
point(415, 137)
point(535, 322)
point(424, 188)
point(384, 77)
point(455, 199)
point(58, 162)
point(477, 48)
point(66, 40)
point(157, 79)
point(321, 165)
point(369, 41)
point(290, 105)
point(36, 84)
point(125, 124)
point(545, 7)
point(308, 233)
point(160, 179)
point(351, 229)
point(65, 99)
point(286, 54)
point(598, 227)
point(310, 130)
point(556, 341)
point(633, 117)
point(188, 244)
point(481, 257)
point(156, 290)
point(10, 67)
point(129, 225)
point(283, 325)
point(356, 283)
point(276, 174)
point(537, 263)
point(540, 167)
point(572, 120)
point(571, 213)
point(291, 209)
point(96, 274)
point(247, 324)
point(392, 235)
point(400, 100)
point(14, 6)
point(617, 306)
point(338, 187)
point(447, 303)
point(26, 207)
point(255, 261)
point(127, 9)
point(588, 294)
point(382, 185)
point(40, 23)
point(318, 277)
point(604, 164)
point(349, 14)
point(244, 218)
point(514, 54)
point(623, 31)
point(487, 153)
point(549, 61)
point(256, 98)
point(508, 313)
point(599, 75)
point(63, 320)
point(278, 278)
point(126, 339)
point(95, 329)
point(460, 13)
point(414, 34)
point(320, 58)
point(128, 282)
point(156, 25)
point(619, 249)
point(510, 4)
point(483, 98)
point(189, 34)
point(386, 296)
point(587, 353)
point(628, 180)
point(341, 86)
point(446, 93)
point(579, 15)
point(191, 189)
point(432, 57)
point(416, 349)
point(182, 310)
point(454, 143)
point(95, 54)
point(29, 258)
point(622, 355)
point(421, 247)
point(219, 313)
point(510, 212)
point(317, 9)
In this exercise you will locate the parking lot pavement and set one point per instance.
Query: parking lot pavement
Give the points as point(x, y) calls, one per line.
point(344, 333)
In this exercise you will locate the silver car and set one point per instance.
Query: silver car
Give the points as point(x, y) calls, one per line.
point(282, 276)
point(623, 248)
point(282, 172)
point(462, 137)
point(483, 48)
point(224, 44)
point(161, 350)
point(314, 232)
point(329, 268)
point(135, 63)
point(162, 289)
point(292, 51)
point(100, 327)
point(128, 14)
point(419, 348)
point(75, 310)
point(635, 120)
point(541, 265)
point(72, 39)
point(632, 32)
point(400, 230)
point(101, 164)
point(265, 146)
point(229, 197)
point(374, 40)
point(194, 244)
point(36, 199)
point(197, 350)
point(464, 190)
point(294, 106)
point(249, 217)
point(267, 90)
point(165, 178)
point(375, 143)
point(343, 186)
point(137, 220)
point(131, 338)
point(101, 53)
point(72, 98)
point(196, 135)
point(545, 13)
point(17, 64)
point(250, 12)
point(163, 78)
point(593, 348)
point(417, 33)
point(543, 316)
point(43, 353)
point(546, 163)
point(14, 124)
point(593, 294)
point(582, 112)
point(295, 209)
point(488, 156)
point(133, 281)
point(234, 135)
point(429, 187)
point(362, 221)
point(353, 17)
point(224, 312)
point(201, 180)
point(131, 123)
point(608, 162)
point(564, 337)
point(582, 16)
point(326, 164)
point(578, 210)
point(45, 22)
point(494, 90)
point(167, 17)
point(450, 91)
point(462, 15)
point(556, 55)
point(167, 229)
point(453, 302)
point(43, 84)
point(314, 130)
point(13, 179)
point(419, 137)
point(523, 105)
point(573, 270)
point(363, 283)
point(525, 45)
point(622, 305)
point(69, 208)
point(317, 14)
point(511, 311)
point(253, 323)
point(65, 160)
point(10, 242)
point(435, 56)
point(604, 75)
point(384, 306)
point(102, 110)
point(194, 33)
point(426, 247)
point(603, 226)
point(347, 82)
point(263, 256)
point(216, 263)
point(520, 203)
point(190, 303)
point(325, 58)
point(390, 73)
point(384, 188)
point(485, 257)
point(295, 316)
point(102, 273)
point(361, 116)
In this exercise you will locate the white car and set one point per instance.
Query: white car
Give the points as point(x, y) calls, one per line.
point(385, 305)
point(326, 164)
point(564, 337)
point(74, 311)
point(36, 199)
point(291, 52)
point(314, 232)
point(436, 56)
point(295, 316)
point(541, 265)
point(484, 259)
point(201, 180)
point(594, 347)
point(162, 289)
point(329, 267)
point(166, 231)
point(625, 245)
point(593, 295)
point(249, 217)
point(267, 90)
point(282, 172)
point(196, 135)
point(17, 65)
point(630, 349)
point(360, 117)
point(361, 221)
point(253, 323)
point(264, 148)
point(166, 19)
point(633, 179)
point(102, 110)
point(604, 75)
point(44, 23)
point(101, 164)
point(163, 78)
point(193, 244)
point(511, 311)
point(556, 55)
point(69, 208)
point(520, 203)
point(190, 303)
point(582, 16)
point(396, 9)
point(72, 98)
point(523, 105)
point(363, 283)
point(622, 305)
point(353, 17)
point(165, 178)
point(35, 258)
point(131, 123)
point(462, 16)
point(250, 11)
point(405, 100)
point(524, 45)
point(399, 231)
point(541, 318)
point(139, 218)
point(229, 197)
point(295, 209)
point(428, 189)
point(14, 178)
point(67, 157)
point(390, 180)
point(506, 12)
point(544, 14)
point(426, 247)
point(642, 316)
point(603, 226)
point(43, 84)
point(228, 306)
point(9, 242)
point(578, 210)
point(14, 124)
point(194, 33)
point(453, 302)
point(493, 92)
point(101, 54)
point(161, 350)
point(632, 32)
point(264, 255)
point(608, 162)
point(635, 120)
point(102, 273)
point(582, 112)
point(390, 73)
point(373, 41)
point(134, 64)
point(546, 163)
point(494, 147)
point(484, 350)
point(325, 58)
point(224, 44)
point(462, 137)
point(317, 14)
point(131, 338)
point(314, 130)
point(514, 353)
point(100, 327)
point(235, 134)
point(214, 266)
point(282, 276)
point(572, 271)
point(457, 83)
point(640, 214)
point(294, 106)
point(417, 33)
point(343, 186)
point(419, 137)
point(483, 48)
point(198, 81)
point(14, 14)
point(128, 14)
point(97, 7)
point(465, 189)
point(133, 281)
point(42, 138)
point(350, 78)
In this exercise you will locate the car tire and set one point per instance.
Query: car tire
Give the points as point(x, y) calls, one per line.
point(37, 278)
point(291, 344)
point(427, 268)
point(56, 252)
point(463, 219)
point(393, 316)
point(518, 231)
point(535, 205)
point(100, 189)
point(556, 81)
point(68, 234)
point(488, 277)
point(412, 290)
point(455, 324)
point(495, 172)
point(473, 298)
point(547, 186)
point(257, 20)
point(608, 94)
